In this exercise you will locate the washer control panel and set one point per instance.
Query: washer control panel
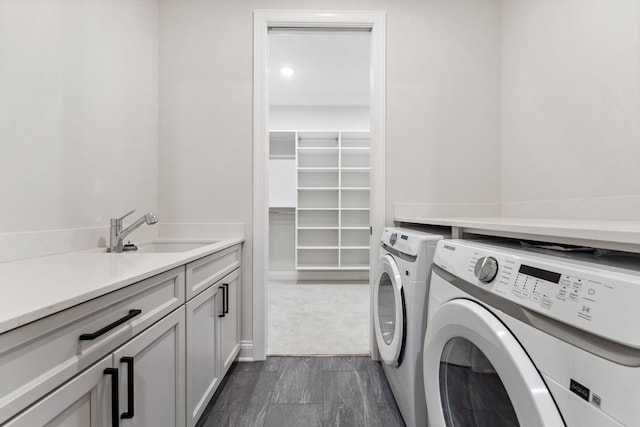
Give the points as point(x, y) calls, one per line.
point(486, 269)
point(403, 242)
point(599, 299)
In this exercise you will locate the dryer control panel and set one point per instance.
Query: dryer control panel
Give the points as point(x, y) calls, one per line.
point(599, 299)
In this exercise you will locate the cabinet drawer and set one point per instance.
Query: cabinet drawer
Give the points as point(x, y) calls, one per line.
point(38, 357)
point(206, 271)
point(85, 400)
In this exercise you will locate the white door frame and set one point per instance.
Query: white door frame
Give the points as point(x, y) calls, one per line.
point(262, 21)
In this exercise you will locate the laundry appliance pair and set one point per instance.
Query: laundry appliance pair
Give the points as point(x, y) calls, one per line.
point(513, 336)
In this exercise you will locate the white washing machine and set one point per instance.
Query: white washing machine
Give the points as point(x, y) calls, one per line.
point(399, 309)
point(523, 337)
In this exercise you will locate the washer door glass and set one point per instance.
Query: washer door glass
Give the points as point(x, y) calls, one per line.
point(388, 306)
point(471, 391)
point(476, 373)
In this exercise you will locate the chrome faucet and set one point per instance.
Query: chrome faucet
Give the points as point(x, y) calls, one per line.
point(117, 234)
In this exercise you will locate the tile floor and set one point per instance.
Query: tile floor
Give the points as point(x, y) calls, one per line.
point(318, 319)
point(304, 391)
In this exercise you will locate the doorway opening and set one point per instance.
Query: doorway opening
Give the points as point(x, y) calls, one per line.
point(319, 144)
point(319, 191)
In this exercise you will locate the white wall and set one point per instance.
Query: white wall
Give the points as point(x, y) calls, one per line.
point(571, 109)
point(318, 118)
point(79, 108)
point(442, 98)
point(443, 76)
point(78, 112)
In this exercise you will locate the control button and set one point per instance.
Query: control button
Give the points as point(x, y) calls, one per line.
point(516, 291)
point(486, 269)
point(525, 294)
point(573, 296)
point(546, 303)
point(535, 298)
point(591, 291)
point(393, 238)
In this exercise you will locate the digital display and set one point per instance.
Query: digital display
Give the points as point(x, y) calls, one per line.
point(540, 273)
point(404, 237)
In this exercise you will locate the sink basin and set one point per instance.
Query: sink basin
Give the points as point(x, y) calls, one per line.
point(164, 247)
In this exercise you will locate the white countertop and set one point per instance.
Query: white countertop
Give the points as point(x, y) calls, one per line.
point(620, 235)
point(34, 288)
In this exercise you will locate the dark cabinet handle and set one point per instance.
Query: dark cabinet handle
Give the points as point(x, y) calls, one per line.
point(113, 372)
point(130, 405)
point(93, 336)
point(224, 305)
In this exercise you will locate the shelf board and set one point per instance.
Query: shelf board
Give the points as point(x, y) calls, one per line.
point(318, 247)
point(319, 169)
point(318, 149)
point(320, 228)
point(354, 209)
point(318, 209)
point(319, 267)
point(355, 148)
point(317, 188)
point(282, 156)
point(354, 169)
point(354, 267)
point(355, 247)
point(356, 188)
point(364, 227)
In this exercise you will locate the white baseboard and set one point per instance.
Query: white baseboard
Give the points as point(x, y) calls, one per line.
point(283, 275)
point(246, 352)
point(318, 275)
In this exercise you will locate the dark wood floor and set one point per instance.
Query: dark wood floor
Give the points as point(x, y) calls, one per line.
point(304, 391)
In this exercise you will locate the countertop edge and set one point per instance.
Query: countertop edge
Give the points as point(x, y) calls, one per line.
point(165, 262)
point(623, 232)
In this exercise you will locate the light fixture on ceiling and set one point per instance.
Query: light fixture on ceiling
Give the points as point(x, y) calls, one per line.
point(287, 71)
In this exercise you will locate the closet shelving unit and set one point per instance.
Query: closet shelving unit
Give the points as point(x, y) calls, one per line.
point(332, 210)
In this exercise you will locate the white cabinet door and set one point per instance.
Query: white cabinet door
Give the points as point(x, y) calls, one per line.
point(230, 322)
point(85, 401)
point(154, 360)
point(282, 183)
point(38, 357)
point(203, 350)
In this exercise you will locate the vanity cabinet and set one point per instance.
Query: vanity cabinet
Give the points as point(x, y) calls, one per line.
point(147, 372)
point(143, 355)
point(213, 326)
point(40, 356)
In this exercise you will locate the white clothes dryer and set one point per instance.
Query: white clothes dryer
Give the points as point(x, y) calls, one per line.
point(525, 337)
point(399, 309)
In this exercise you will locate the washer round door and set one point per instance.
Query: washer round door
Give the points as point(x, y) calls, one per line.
point(389, 311)
point(477, 374)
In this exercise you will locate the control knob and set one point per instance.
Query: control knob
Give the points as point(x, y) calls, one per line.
point(486, 269)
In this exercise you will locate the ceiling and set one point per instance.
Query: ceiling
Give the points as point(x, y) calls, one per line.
point(331, 68)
